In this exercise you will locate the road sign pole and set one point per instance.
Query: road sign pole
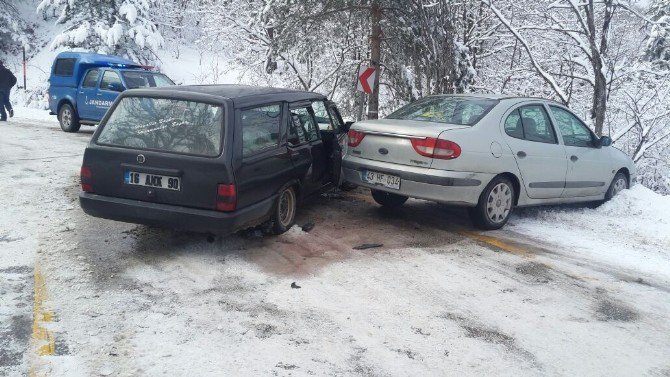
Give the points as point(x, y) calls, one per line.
point(24, 67)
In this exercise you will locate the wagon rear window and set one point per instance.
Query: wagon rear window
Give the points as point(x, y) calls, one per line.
point(165, 125)
point(454, 110)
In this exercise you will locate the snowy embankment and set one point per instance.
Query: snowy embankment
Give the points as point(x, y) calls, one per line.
point(631, 232)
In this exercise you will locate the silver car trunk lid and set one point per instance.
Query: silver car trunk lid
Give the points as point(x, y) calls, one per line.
point(390, 140)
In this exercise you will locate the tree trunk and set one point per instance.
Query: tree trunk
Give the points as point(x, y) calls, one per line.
point(599, 101)
point(375, 56)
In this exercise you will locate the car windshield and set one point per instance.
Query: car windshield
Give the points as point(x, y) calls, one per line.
point(446, 109)
point(166, 125)
point(145, 79)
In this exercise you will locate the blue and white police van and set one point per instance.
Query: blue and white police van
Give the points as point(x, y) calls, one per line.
point(83, 86)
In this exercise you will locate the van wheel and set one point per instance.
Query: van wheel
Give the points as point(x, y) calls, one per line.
point(495, 205)
point(388, 199)
point(619, 183)
point(283, 217)
point(68, 119)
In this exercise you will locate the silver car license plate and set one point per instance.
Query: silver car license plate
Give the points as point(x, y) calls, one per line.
point(152, 180)
point(381, 179)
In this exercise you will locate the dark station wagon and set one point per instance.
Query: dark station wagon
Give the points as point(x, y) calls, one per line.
point(211, 159)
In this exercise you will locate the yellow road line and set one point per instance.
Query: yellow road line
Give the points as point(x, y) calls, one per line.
point(495, 242)
point(42, 338)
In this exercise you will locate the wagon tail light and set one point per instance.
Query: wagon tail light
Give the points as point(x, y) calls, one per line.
point(436, 148)
point(355, 137)
point(226, 198)
point(85, 176)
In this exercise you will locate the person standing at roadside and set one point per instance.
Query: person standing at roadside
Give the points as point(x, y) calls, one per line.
point(7, 81)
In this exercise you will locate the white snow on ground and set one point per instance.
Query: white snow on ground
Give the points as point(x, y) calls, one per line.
point(130, 300)
point(34, 164)
point(631, 232)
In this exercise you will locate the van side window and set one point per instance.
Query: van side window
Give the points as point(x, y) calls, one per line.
point(64, 67)
point(108, 78)
point(91, 79)
point(322, 116)
point(335, 118)
point(260, 128)
point(303, 127)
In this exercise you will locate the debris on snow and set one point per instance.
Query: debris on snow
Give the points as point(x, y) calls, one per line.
point(368, 246)
point(307, 227)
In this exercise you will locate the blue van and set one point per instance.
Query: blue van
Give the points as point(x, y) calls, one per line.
point(83, 86)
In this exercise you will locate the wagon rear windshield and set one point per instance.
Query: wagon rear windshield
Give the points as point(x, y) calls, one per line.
point(165, 125)
point(454, 110)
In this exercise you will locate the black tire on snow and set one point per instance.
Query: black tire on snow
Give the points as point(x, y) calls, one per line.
point(283, 216)
point(68, 118)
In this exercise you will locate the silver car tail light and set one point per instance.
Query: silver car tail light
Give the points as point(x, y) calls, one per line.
point(436, 148)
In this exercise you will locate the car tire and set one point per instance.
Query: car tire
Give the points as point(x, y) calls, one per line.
point(283, 216)
point(68, 118)
point(387, 199)
point(495, 205)
point(619, 183)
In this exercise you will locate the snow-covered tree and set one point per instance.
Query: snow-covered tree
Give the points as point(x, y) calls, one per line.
point(115, 27)
point(568, 40)
point(658, 43)
point(15, 32)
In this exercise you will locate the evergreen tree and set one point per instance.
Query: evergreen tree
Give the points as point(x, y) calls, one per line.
point(658, 42)
point(114, 27)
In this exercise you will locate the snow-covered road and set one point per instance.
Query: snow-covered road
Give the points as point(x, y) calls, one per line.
point(559, 291)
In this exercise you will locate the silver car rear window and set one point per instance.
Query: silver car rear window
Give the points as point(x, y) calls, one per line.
point(453, 110)
point(167, 125)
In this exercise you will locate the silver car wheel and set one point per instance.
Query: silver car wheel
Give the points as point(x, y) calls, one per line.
point(499, 203)
point(619, 186)
point(66, 117)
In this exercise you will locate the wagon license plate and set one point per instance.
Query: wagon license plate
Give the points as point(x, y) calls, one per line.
point(152, 180)
point(381, 179)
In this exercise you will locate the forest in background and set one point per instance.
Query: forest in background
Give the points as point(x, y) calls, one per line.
point(609, 60)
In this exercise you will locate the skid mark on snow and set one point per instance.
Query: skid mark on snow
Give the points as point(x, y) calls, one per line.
point(539, 272)
point(608, 310)
point(479, 331)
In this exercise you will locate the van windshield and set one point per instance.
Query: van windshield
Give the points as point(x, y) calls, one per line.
point(463, 111)
point(165, 125)
point(144, 79)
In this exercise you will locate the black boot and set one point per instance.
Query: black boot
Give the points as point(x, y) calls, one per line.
point(11, 113)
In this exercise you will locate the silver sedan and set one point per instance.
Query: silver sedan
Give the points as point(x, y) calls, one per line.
point(490, 153)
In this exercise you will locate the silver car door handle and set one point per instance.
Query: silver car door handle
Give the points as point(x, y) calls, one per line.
point(521, 154)
point(574, 158)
